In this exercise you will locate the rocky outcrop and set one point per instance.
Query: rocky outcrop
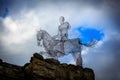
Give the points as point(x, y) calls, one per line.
point(10, 71)
point(44, 69)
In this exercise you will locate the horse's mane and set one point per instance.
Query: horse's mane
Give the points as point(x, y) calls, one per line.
point(47, 34)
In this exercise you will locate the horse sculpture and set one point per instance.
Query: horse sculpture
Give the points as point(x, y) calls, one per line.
point(55, 48)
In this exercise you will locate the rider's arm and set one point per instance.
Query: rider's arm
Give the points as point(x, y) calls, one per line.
point(69, 26)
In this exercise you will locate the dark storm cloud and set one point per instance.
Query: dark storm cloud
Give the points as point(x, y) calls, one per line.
point(105, 60)
point(111, 70)
point(113, 7)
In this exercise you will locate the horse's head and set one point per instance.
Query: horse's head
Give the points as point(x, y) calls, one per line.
point(44, 36)
point(39, 36)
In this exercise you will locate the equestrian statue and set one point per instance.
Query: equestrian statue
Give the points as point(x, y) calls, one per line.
point(59, 45)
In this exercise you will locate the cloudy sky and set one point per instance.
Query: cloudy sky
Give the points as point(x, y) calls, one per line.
point(89, 20)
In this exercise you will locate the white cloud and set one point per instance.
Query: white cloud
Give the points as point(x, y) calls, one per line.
point(85, 51)
point(17, 32)
point(22, 27)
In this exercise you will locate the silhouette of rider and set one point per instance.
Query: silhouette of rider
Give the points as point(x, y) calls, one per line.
point(63, 29)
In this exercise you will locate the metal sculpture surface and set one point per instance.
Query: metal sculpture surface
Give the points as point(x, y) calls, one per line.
point(63, 29)
point(60, 45)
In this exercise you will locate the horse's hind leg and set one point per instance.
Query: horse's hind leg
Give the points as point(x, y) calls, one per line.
point(77, 57)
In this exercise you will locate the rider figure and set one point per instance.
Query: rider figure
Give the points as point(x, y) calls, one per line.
point(63, 29)
point(62, 35)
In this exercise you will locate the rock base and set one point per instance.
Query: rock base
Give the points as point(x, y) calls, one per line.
point(44, 69)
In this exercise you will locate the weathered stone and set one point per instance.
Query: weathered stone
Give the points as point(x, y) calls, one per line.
point(0, 60)
point(53, 61)
point(26, 65)
point(89, 74)
point(44, 69)
point(38, 56)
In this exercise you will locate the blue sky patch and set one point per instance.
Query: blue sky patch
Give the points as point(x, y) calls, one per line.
point(86, 34)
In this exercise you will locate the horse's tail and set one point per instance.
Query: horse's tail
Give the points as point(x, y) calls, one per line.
point(90, 44)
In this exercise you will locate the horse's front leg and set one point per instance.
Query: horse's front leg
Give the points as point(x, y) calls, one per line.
point(77, 57)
